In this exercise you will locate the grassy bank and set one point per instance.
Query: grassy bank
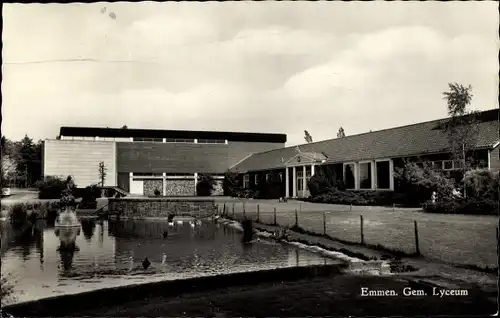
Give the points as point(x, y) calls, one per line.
point(333, 296)
point(468, 240)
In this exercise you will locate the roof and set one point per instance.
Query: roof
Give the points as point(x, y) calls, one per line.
point(411, 140)
point(179, 134)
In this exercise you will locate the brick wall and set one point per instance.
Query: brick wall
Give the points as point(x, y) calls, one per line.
point(179, 188)
point(161, 207)
point(151, 185)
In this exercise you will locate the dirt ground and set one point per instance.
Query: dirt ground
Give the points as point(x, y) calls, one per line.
point(332, 296)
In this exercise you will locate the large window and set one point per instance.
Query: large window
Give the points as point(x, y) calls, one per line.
point(246, 181)
point(256, 179)
point(383, 175)
point(184, 140)
point(349, 180)
point(140, 139)
point(211, 141)
point(365, 175)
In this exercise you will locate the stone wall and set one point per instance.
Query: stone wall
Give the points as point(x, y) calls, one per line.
point(218, 188)
point(160, 207)
point(181, 188)
point(151, 185)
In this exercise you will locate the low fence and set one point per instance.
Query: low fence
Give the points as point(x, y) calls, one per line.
point(457, 239)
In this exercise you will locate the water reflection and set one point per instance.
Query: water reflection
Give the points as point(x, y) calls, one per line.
point(67, 246)
point(48, 261)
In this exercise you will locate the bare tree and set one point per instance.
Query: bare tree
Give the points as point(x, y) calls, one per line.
point(341, 133)
point(308, 138)
point(462, 128)
point(102, 173)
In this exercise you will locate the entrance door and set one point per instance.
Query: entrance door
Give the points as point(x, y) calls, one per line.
point(137, 187)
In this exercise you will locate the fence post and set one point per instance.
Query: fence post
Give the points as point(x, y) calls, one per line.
point(324, 222)
point(417, 247)
point(258, 213)
point(274, 216)
point(233, 210)
point(244, 212)
point(497, 241)
point(296, 219)
point(224, 209)
point(350, 209)
point(362, 234)
point(393, 207)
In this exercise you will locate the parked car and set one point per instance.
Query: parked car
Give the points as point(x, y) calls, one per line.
point(5, 192)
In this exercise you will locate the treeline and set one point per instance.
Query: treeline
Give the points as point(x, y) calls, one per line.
point(21, 162)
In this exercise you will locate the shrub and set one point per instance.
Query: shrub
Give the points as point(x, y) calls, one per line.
point(419, 183)
point(157, 192)
point(89, 198)
point(231, 183)
point(482, 183)
point(324, 181)
point(472, 205)
point(18, 214)
point(50, 188)
point(205, 185)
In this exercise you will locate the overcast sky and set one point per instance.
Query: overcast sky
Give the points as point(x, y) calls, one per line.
point(243, 66)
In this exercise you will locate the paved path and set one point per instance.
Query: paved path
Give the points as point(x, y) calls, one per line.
point(458, 239)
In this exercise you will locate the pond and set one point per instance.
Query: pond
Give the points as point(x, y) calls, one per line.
point(41, 261)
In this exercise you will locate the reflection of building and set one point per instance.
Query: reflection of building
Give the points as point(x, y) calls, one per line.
point(367, 161)
point(142, 161)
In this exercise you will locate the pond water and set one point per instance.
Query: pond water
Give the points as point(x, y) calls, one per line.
point(41, 261)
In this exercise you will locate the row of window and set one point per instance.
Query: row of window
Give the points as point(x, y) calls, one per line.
point(140, 139)
point(447, 164)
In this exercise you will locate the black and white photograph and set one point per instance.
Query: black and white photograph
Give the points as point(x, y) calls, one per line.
point(250, 159)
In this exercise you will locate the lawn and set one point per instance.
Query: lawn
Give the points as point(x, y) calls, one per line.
point(457, 239)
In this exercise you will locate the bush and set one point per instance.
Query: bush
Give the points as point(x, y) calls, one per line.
point(89, 198)
point(368, 197)
point(482, 183)
point(324, 181)
point(18, 214)
point(472, 205)
point(231, 184)
point(157, 192)
point(205, 185)
point(50, 188)
point(419, 183)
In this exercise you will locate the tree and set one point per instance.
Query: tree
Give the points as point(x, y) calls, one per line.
point(231, 184)
point(205, 185)
point(124, 127)
point(102, 173)
point(29, 160)
point(462, 127)
point(341, 133)
point(308, 137)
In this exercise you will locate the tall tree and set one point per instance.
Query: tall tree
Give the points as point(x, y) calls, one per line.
point(308, 138)
point(28, 161)
point(462, 127)
point(341, 133)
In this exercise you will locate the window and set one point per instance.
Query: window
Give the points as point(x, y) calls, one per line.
point(365, 175)
point(246, 181)
point(349, 176)
point(147, 174)
point(458, 164)
point(268, 176)
point(280, 175)
point(308, 177)
point(256, 179)
point(141, 139)
point(437, 165)
point(448, 165)
point(383, 175)
point(180, 140)
point(211, 141)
